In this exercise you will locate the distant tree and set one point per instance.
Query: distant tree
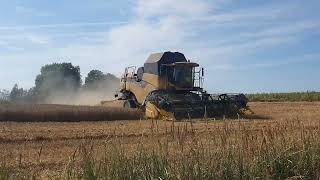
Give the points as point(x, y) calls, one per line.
point(94, 76)
point(96, 79)
point(112, 78)
point(30, 95)
point(57, 77)
point(16, 94)
point(4, 95)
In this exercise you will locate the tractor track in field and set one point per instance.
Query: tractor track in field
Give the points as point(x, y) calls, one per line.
point(48, 139)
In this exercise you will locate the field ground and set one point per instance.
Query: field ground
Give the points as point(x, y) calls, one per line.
point(45, 148)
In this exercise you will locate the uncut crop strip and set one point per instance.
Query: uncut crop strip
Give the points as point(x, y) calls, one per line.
point(64, 113)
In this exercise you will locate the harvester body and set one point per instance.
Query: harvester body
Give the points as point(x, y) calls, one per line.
point(169, 86)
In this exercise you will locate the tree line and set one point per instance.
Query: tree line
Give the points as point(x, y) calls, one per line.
point(59, 77)
point(280, 97)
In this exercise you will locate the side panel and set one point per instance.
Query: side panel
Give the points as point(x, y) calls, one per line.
point(139, 89)
point(155, 81)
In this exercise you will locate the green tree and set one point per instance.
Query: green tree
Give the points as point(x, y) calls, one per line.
point(30, 96)
point(63, 77)
point(96, 79)
point(16, 94)
point(111, 77)
point(94, 76)
point(4, 96)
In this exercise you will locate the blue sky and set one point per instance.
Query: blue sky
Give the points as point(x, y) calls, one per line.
point(245, 46)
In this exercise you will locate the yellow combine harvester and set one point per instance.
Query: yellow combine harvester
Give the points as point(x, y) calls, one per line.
point(169, 86)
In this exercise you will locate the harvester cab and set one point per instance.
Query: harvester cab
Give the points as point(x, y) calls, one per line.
point(179, 76)
point(169, 86)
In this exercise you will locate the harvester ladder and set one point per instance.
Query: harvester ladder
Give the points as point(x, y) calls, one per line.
point(198, 78)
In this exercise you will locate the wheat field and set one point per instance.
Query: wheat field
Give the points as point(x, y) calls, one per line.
point(281, 141)
point(64, 113)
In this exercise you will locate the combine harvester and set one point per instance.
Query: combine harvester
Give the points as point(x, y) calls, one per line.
point(170, 87)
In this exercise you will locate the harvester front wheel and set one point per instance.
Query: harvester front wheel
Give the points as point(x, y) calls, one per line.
point(129, 104)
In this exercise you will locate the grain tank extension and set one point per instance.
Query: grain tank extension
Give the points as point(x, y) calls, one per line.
point(169, 86)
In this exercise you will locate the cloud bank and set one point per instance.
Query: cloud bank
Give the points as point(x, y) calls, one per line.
point(213, 33)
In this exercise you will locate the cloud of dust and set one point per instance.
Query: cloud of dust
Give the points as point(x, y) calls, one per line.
point(91, 94)
point(82, 96)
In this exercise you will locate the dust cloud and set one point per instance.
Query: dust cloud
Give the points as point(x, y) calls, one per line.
point(93, 95)
point(81, 97)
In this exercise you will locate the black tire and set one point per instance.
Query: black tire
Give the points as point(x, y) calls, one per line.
point(224, 97)
point(129, 104)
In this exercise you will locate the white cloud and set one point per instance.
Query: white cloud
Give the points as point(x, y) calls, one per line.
point(31, 11)
point(25, 38)
point(270, 63)
point(284, 30)
point(123, 45)
point(260, 14)
point(38, 39)
point(156, 8)
point(61, 25)
point(248, 47)
point(286, 61)
point(131, 43)
point(164, 25)
point(160, 26)
point(2, 42)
